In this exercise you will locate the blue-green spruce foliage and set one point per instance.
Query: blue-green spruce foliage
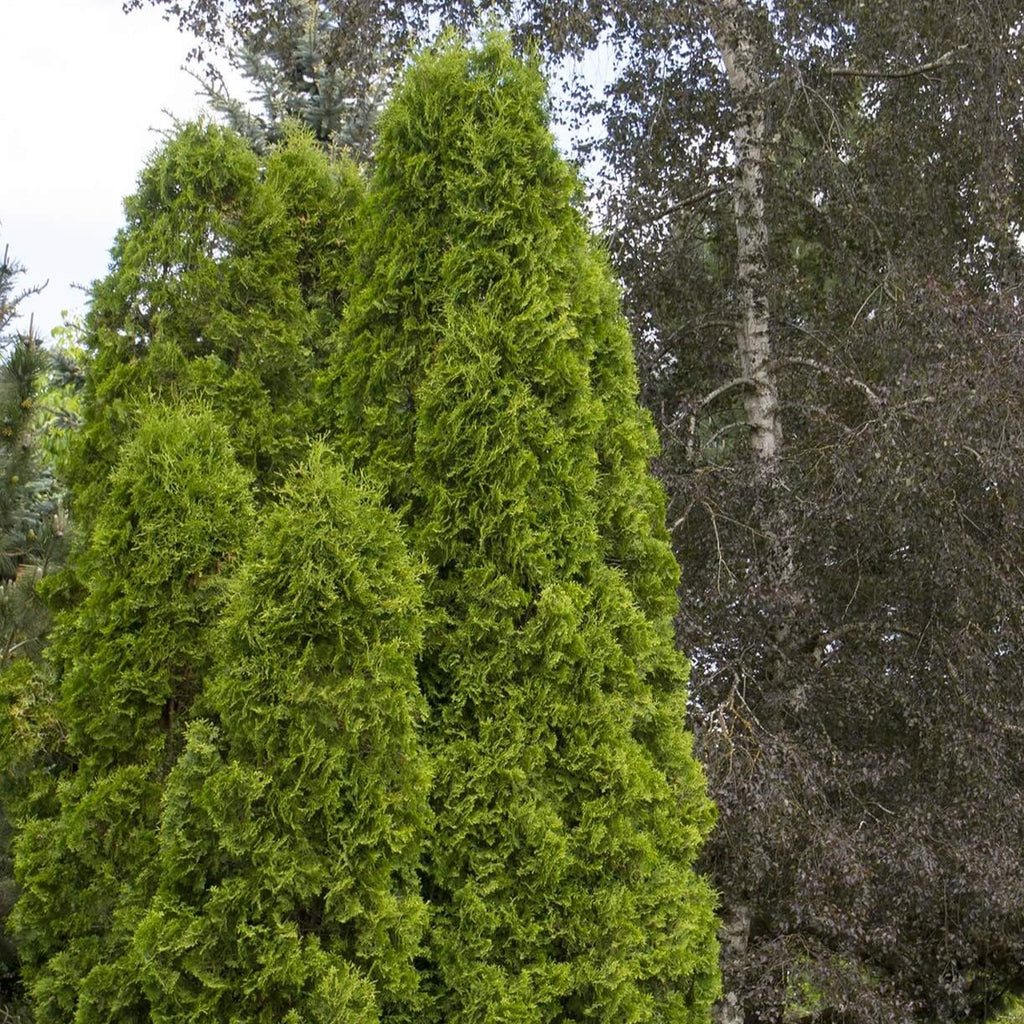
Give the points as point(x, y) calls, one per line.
point(485, 378)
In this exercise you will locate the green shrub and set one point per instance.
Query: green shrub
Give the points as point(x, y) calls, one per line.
point(224, 285)
point(1011, 1013)
point(128, 662)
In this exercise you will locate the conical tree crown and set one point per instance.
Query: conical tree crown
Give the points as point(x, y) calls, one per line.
point(293, 822)
point(129, 662)
point(485, 380)
point(225, 282)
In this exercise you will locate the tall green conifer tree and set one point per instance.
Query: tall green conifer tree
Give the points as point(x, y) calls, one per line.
point(227, 280)
point(225, 284)
point(293, 822)
point(486, 380)
point(129, 660)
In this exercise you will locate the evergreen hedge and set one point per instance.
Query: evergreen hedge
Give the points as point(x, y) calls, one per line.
point(225, 285)
point(484, 378)
point(292, 780)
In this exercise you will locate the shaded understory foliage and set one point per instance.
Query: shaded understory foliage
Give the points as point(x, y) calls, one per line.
point(32, 543)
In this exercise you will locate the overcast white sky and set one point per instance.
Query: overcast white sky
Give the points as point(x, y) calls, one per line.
point(84, 88)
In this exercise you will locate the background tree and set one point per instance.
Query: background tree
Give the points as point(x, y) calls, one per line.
point(31, 518)
point(32, 526)
point(326, 63)
point(306, 69)
point(485, 378)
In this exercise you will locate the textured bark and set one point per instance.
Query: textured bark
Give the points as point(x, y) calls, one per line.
point(734, 935)
point(730, 25)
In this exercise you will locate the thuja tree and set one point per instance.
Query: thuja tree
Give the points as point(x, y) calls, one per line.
point(485, 379)
point(129, 662)
point(295, 895)
point(293, 821)
point(225, 281)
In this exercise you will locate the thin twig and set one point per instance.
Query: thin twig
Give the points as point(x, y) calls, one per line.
point(736, 382)
point(831, 371)
point(682, 204)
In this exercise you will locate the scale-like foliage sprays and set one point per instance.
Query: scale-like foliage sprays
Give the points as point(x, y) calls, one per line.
point(484, 378)
point(293, 821)
point(225, 283)
point(130, 661)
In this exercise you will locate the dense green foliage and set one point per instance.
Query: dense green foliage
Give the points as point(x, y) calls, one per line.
point(485, 379)
point(277, 767)
point(292, 823)
point(225, 284)
point(32, 543)
point(1012, 1013)
point(129, 661)
point(227, 280)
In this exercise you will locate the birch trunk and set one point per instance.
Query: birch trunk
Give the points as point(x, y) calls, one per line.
point(730, 25)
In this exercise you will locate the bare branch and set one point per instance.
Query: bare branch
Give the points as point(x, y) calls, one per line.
point(683, 204)
point(945, 61)
point(736, 382)
point(837, 375)
point(690, 201)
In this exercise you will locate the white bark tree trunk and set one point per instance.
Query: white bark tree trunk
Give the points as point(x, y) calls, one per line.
point(730, 23)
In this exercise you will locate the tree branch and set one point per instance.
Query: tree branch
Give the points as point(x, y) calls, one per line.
point(831, 371)
point(736, 382)
point(667, 211)
point(685, 204)
point(945, 61)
